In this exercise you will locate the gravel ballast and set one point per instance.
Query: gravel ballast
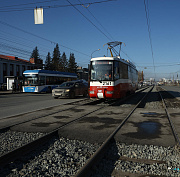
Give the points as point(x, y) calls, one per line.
point(65, 157)
point(139, 159)
point(11, 140)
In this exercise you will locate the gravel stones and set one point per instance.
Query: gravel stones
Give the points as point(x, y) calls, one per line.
point(63, 157)
point(11, 140)
point(139, 159)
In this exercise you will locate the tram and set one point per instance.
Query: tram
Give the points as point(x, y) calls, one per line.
point(112, 77)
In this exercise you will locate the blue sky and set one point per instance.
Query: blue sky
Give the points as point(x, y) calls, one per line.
point(75, 30)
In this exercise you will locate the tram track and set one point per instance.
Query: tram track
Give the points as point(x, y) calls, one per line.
point(176, 136)
point(86, 170)
point(41, 137)
point(40, 113)
point(125, 159)
point(10, 156)
point(95, 164)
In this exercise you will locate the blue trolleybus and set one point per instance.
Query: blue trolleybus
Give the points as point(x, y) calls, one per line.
point(45, 80)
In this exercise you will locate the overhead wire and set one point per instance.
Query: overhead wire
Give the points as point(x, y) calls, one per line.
point(2, 7)
point(105, 30)
point(16, 49)
point(149, 30)
point(88, 20)
point(24, 40)
point(96, 20)
point(20, 44)
point(165, 65)
point(48, 7)
point(73, 5)
point(52, 42)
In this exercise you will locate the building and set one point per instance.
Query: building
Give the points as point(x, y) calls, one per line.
point(14, 66)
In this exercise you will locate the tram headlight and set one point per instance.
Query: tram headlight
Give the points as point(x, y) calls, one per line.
point(110, 92)
point(91, 92)
point(67, 90)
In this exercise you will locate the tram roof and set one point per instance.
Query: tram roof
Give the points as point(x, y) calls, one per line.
point(37, 71)
point(114, 58)
point(105, 58)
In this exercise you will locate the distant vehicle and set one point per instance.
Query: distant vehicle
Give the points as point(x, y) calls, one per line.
point(4, 86)
point(112, 77)
point(70, 89)
point(45, 80)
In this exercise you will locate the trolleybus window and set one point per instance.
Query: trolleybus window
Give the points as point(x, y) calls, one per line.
point(31, 80)
point(101, 70)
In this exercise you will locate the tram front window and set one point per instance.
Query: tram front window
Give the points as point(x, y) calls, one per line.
point(101, 70)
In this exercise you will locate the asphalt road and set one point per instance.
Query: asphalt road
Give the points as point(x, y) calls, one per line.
point(13, 104)
point(174, 90)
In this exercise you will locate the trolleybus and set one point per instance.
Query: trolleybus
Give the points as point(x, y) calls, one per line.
point(112, 77)
point(44, 80)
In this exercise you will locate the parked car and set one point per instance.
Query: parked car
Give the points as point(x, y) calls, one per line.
point(4, 86)
point(70, 89)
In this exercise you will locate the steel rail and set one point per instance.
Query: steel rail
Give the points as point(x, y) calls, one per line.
point(91, 102)
point(28, 112)
point(18, 152)
point(96, 157)
point(5, 128)
point(170, 121)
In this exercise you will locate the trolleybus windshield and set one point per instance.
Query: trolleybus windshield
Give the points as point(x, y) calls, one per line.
point(30, 80)
point(101, 70)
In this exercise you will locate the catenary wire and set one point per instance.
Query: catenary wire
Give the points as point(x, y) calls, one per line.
point(55, 6)
point(97, 21)
point(52, 42)
point(89, 20)
point(149, 31)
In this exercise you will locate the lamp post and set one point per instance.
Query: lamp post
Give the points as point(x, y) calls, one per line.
point(94, 51)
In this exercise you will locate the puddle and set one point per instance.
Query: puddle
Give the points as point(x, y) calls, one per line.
point(61, 117)
point(41, 124)
point(149, 113)
point(146, 130)
point(148, 127)
point(153, 114)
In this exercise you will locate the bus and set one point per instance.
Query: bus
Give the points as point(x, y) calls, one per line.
point(44, 80)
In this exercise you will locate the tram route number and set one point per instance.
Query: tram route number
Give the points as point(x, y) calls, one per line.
point(107, 83)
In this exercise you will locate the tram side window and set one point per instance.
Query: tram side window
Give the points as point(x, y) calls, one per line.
point(123, 71)
point(130, 73)
point(116, 71)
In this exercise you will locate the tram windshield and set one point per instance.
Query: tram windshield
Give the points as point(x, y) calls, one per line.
point(101, 70)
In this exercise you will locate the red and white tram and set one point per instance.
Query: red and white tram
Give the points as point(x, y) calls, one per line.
point(112, 77)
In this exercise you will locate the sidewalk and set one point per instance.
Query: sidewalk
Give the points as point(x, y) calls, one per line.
point(4, 92)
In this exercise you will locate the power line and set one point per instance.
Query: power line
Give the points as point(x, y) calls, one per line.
point(149, 31)
point(97, 20)
point(20, 38)
point(2, 7)
point(48, 7)
point(88, 20)
point(165, 65)
point(52, 42)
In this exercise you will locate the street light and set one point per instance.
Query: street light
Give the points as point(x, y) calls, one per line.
point(94, 51)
